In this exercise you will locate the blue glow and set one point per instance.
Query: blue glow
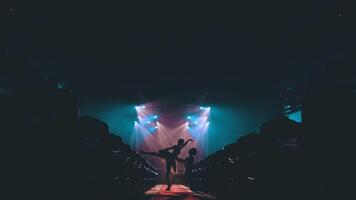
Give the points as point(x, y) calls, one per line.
point(296, 116)
point(151, 129)
point(155, 117)
point(189, 117)
point(138, 107)
point(201, 107)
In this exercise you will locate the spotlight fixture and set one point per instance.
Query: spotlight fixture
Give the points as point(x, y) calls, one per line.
point(143, 107)
point(189, 117)
point(155, 117)
point(201, 107)
point(196, 122)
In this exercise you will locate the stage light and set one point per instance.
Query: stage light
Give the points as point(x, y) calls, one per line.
point(60, 86)
point(149, 133)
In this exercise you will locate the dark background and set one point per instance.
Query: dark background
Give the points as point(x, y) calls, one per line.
point(214, 53)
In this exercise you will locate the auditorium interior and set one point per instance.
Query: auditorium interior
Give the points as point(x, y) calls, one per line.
point(178, 101)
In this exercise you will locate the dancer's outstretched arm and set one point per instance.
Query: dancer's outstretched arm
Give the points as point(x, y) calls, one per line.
point(169, 148)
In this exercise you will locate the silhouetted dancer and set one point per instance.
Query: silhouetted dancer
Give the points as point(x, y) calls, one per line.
point(169, 157)
point(188, 165)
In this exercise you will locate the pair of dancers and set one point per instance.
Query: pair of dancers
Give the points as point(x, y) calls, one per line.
point(171, 157)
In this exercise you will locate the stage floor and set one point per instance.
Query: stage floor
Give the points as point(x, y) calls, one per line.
point(177, 192)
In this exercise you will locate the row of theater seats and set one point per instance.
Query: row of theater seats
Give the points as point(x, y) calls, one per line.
point(111, 167)
point(239, 169)
point(50, 152)
point(289, 160)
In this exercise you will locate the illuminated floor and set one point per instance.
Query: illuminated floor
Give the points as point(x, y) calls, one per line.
point(177, 192)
